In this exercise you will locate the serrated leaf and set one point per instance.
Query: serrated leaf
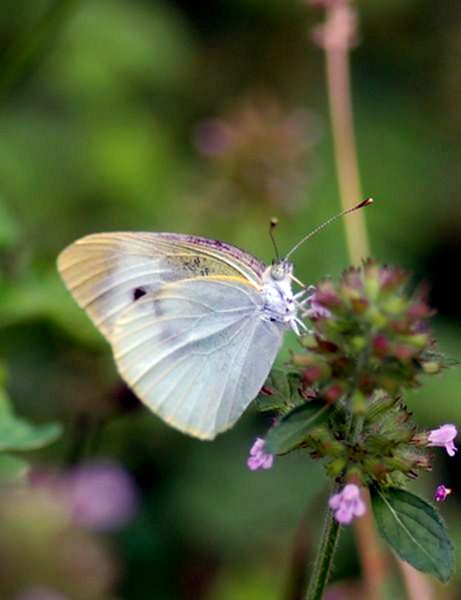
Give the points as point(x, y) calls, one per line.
point(280, 391)
point(415, 530)
point(12, 469)
point(294, 427)
point(18, 434)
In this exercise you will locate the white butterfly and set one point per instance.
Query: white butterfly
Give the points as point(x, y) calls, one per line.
point(194, 324)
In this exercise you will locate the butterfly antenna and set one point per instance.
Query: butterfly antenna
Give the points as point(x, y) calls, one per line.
point(273, 224)
point(362, 204)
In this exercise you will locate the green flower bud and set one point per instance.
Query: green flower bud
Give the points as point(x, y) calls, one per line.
point(431, 367)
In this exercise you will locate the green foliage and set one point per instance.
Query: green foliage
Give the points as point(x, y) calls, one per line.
point(414, 529)
point(293, 428)
point(279, 392)
point(12, 469)
point(17, 434)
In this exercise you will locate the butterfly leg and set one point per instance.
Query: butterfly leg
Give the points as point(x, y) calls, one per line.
point(298, 326)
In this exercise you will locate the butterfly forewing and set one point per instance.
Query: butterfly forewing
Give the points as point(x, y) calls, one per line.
point(197, 351)
point(108, 272)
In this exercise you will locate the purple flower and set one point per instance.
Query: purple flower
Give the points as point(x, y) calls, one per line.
point(40, 593)
point(101, 496)
point(441, 493)
point(443, 437)
point(347, 504)
point(98, 495)
point(259, 459)
point(213, 137)
point(316, 308)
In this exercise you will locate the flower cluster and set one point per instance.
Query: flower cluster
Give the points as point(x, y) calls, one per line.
point(369, 340)
point(367, 333)
point(257, 151)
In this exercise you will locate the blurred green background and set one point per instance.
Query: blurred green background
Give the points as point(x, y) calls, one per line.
point(208, 118)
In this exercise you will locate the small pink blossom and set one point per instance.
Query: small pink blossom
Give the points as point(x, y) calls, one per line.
point(442, 493)
point(316, 308)
point(347, 504)
point(443, 437)
point(259, 459)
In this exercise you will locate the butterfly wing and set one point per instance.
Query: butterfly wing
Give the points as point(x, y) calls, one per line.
point(197, 351)
point(107, 272)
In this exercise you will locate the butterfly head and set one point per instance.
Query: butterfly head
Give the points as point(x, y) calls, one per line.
point(280, 270)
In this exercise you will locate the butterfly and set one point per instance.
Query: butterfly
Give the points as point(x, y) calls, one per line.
point(195, 324)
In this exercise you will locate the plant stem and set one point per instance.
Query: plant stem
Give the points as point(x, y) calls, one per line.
point(337, 36)
point(324, 561)
point(339, 29)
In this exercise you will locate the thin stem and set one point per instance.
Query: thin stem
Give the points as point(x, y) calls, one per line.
point(417, 585)
point(370, 553)
point(338, 33)
point(325, 556)
point(300, 554)
point(341, 114)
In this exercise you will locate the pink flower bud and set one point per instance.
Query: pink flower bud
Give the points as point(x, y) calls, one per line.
point(259, 459)
point(442, 493)
point(347, 504)
point(443, 438)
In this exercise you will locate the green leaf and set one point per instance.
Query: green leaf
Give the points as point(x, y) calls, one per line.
point(5, 406)
point(12, 469)
point(415, 531)
point(283, 385)
point(294, 427)
point(18, 434)
point(278, 384)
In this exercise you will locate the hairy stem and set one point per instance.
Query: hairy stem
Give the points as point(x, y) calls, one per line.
point(325, 556)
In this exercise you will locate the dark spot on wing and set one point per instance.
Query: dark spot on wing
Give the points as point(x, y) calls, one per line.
point(139, 292)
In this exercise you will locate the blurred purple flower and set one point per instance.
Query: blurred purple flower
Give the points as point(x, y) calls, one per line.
point(40, 593)
point(442, 493)
point(101, 496)
point(316, 309)
point(443, 437)
point(339, 31)
point(212, 137)
point(347, 504)
point(257, 152)
point(98, 495)
point(259, 459)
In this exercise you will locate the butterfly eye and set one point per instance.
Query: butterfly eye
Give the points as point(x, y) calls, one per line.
point(277, 271)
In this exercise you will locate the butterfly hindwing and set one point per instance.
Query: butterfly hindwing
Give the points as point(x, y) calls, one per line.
point(197, 351)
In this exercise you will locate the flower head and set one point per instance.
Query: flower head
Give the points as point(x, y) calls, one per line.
point(443, 437)
point(101, 496)
point(317, 309)
point(347, 504)
point(259, 459)
point(441, 493)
